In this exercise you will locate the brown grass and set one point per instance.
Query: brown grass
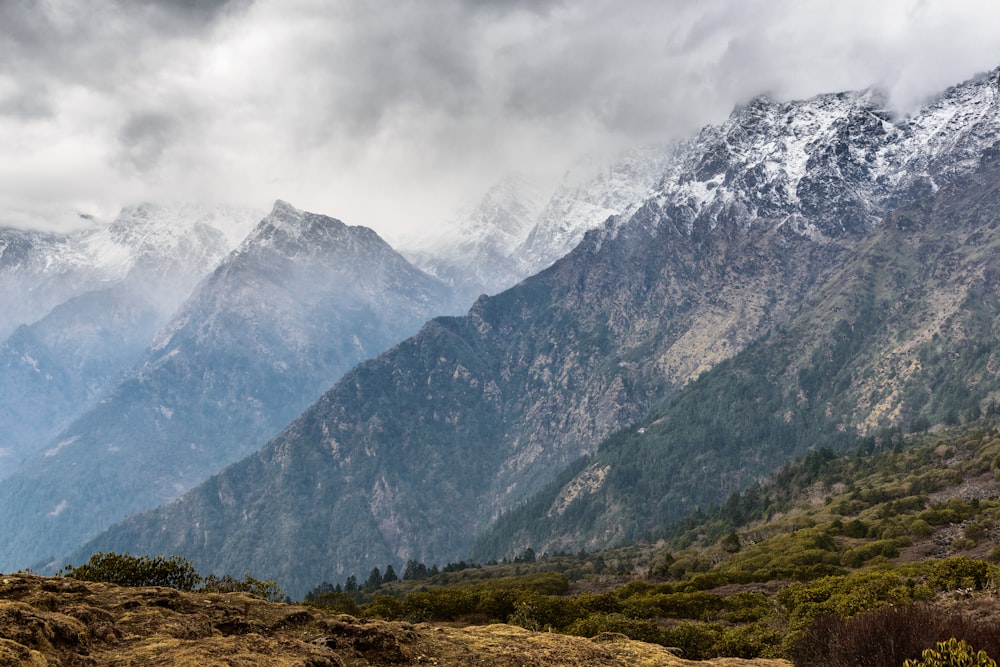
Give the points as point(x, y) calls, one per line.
point(66, 622)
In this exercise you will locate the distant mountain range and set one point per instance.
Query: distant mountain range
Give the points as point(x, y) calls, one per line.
point(301, 300)
point(77, 310)
point(803, 273)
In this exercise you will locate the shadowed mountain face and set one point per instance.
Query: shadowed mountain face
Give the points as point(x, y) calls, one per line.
point(303, 299)
point(413, 453)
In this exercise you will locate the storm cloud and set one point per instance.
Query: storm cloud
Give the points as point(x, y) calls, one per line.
point(391, 114)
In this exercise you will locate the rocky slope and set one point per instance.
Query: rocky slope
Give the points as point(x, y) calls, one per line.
point(414, 452)
point(63, 621)
point(304, 298)
point(903, 334)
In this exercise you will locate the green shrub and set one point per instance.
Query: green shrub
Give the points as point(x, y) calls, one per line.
point(126, 570)
point(696, 640)
point(960, 572)
point(382, 606)
point(265, 590)
point(921, 528)
point(339, 602)
point(748, 641)
point(952, 653)
point(640, 630)
point(860, 555)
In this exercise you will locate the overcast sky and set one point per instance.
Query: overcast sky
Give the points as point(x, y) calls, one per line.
point(390, 114)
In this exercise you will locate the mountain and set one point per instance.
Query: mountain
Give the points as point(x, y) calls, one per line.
point(520, 227)
point(118, 284)
point(904, 335)
point(759, 227)
point(590, 192)
point(475, 256)
point(303, 298)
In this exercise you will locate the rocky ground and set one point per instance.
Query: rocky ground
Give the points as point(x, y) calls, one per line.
point(57, 621)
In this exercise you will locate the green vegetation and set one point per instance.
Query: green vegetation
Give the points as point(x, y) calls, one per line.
point(171, 572)
point(952, 653)
point(127, 570)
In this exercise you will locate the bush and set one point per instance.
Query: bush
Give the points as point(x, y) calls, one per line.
point(886, 637)
point(265, 590)
point(640, 630)
point(126, 570)
point(339, 602)
point(748, 641)
point(952, 653)
point(961, 572)
point(860, 555)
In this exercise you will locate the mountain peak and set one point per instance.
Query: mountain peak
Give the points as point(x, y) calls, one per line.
point(284, 209)
point(294, 231)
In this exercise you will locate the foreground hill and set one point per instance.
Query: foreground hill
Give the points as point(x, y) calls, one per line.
point(777, 222)
point(64, 621)
point(836, 561)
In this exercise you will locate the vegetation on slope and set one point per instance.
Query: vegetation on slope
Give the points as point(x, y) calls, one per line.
point(788, 568)
point(63, 621)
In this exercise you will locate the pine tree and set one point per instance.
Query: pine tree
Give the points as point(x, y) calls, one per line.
point(374, 580)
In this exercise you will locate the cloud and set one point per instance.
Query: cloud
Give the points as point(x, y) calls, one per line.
point(390, 115)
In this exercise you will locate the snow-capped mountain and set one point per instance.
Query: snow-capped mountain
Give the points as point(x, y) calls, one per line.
point(520, 227)
point(303, 299)
point(86, 305)
point(592, 191)
point(168, 247)
point(475, 254)
point(825, 167)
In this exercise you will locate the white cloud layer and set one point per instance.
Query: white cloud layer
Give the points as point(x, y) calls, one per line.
point(390, 114)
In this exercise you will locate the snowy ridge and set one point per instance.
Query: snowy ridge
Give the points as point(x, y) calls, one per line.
point(829, 166)
point(581, 204)
point(520, 227)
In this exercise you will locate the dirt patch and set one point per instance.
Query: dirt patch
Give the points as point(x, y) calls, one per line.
point(53, 621)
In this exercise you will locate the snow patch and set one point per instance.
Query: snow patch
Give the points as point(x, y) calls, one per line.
point(61, 446)
point(59, 508)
